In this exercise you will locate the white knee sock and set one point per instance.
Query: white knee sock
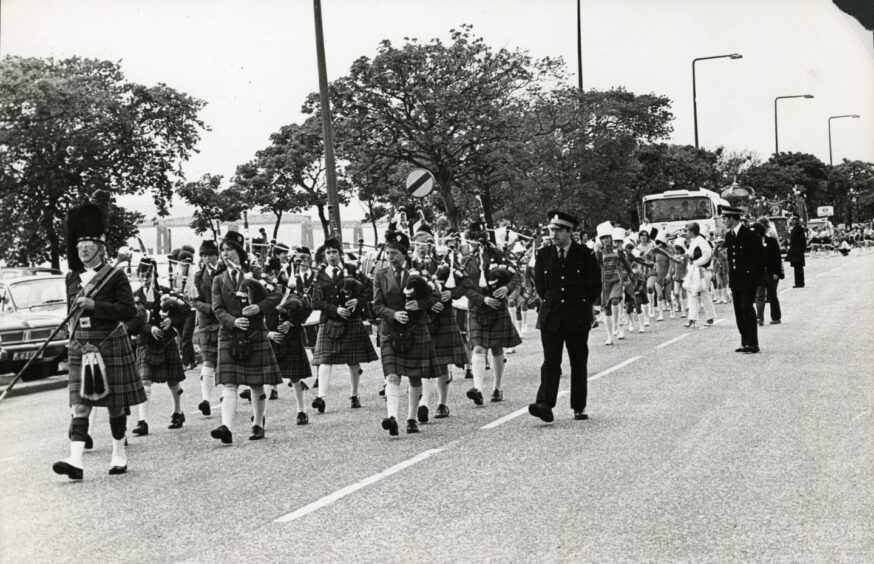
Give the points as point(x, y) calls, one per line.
point(143, 408)
point(354, 378)
point(324, 379)
point(119, 454)
point(443, 390)
point(392, 398)
point(298, 396)
point(176, 394)
point(414, 393)
point(92, 418)
point(259, 405)
point(478, 367)
point(207, 381)
point(77, 448)
point(229, 405)
point(427, 388)
point(498, 365)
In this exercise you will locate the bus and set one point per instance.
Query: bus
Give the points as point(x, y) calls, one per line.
point(670, 211)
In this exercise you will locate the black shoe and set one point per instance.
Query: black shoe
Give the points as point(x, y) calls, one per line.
point(541, 411)
point(116, 470)
point(741, 349)
point(303, 418)
point(761, 323)
point(468, 374)
point(442, 412)
point(354, 402)
point(205, 408)
point(752, 350)
point(222, 433)
point(257, 433)
point(142, 429)
point(319, 404)
point(176, 421)
point(274, 395)
point(390, 424)
point(67, 469)
point(580, 415)
point(775, 322)
point(422, 414)
point(708, 323)
point(497, 395)
point(246, 394)
point(412, 426)
point(475, 395)
point(89, 442)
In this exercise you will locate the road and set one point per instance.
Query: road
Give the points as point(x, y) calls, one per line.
point(692, 453)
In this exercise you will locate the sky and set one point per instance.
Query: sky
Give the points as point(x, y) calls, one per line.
point(254, 62)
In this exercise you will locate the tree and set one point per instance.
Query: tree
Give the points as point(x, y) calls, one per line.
point(775, 178)
point(71, 126)
point(850, 189)
point(432, 105)
point(212, 204)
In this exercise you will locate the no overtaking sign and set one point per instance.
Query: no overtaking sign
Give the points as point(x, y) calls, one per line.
point(420, 183)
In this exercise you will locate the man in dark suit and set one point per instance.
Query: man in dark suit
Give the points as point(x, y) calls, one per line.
point(746, 272)
point(797, 248)
point(567, 278)
point(767, 292)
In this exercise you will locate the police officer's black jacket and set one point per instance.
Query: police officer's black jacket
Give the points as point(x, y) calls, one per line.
point(746, 258)
point(567, 289)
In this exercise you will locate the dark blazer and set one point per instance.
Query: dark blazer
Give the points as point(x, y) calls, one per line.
point(206, 319)
point(797, 246)
point(325, 290)
point(746, 258)
point(113, 304)
point(388, 298)
point(567, 290)
point(226, 305)
point(773, 260)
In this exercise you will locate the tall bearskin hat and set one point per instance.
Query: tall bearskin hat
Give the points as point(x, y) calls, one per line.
point(87, 222)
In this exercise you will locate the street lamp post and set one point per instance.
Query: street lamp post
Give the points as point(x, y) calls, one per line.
point(695, 91)
point(776, 133)
point(855, 116)
point(579, 47)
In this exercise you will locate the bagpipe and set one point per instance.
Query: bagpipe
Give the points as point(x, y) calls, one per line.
point(168, 306)
point(403, 334)
point(295, 311)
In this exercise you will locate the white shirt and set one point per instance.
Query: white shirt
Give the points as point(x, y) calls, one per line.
point(87, 275)
point(700, 242)
point(736, 228)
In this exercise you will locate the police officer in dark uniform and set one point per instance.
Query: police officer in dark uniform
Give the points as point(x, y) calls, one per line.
point(567, 278)
point(746, 272)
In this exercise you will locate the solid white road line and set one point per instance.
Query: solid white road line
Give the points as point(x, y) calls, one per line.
point(339, 494)
point(506, 418)
point(8, 458)
point(718, 321)
point(672, 341)
point(612, 369)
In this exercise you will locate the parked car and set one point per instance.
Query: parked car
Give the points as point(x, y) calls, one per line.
point(30, 309)
point(9, 273)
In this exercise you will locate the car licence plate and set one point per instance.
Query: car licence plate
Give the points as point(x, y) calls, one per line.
point(24, 355)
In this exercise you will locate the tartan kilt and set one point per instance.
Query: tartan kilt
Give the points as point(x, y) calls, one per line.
point(207, 342)
point(170, 371)
point(125, 386)
point(295, 365)
point(354, 347)
point(448, 342)
point(499, 333)
point(260, 369)
point(418, 362)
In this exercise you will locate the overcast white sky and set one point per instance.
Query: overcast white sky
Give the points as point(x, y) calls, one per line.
point(254, 62)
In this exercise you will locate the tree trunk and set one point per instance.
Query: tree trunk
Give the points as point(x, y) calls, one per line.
point(278, 215)
point(326, 225)
point(444, 187)
point(486, 196)
point(54, 248)
point(373, 222)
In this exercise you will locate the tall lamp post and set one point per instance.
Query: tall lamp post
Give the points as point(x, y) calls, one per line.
point(776, 133)
point(695, 91)
point(579, 47)
point(854, 116)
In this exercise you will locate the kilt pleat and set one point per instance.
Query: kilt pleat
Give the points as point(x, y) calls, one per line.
point(207, 342)
point(295, 364)
point(353, 347)
point(170, 371)
point(420, 361)
point(125, 385)
point(259, 369)
point(499, 333)
point(448, 342)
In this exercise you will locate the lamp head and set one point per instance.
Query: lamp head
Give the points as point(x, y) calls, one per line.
point(808, 96)
point(736, 56)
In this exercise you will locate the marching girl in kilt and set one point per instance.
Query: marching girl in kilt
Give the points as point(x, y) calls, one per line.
point(102, 367)
point(158, 357)
point(285, 332)
point(489, 323)
point(343, 339)
point(402, 301)
point(245, 357)
point(612, 260)
point(207, 326)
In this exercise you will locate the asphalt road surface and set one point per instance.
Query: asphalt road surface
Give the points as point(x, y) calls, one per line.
point(692, 453)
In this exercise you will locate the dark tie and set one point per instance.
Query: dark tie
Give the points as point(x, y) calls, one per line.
point(399, 277)
point(561, 255)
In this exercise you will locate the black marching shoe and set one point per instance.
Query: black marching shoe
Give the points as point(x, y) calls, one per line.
point(542, 411)
point(176, 421)
point(422, 414)
point(390, 424)
point(89, 442)
point(205, 408)
point(222, 433)
point(303, 418)
point(116, 470)
point(319, 404)
point(497, 395)
point(775, 322)
point(142, 429)
point(246, 394)
point(274, 395)
point(580, 415)
point(742, 349)
point(257, 433)
point(412, 426)
point(354, 402)
point(66, 469)
point(752, 350)
point(475, 395)
point(442, 412)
